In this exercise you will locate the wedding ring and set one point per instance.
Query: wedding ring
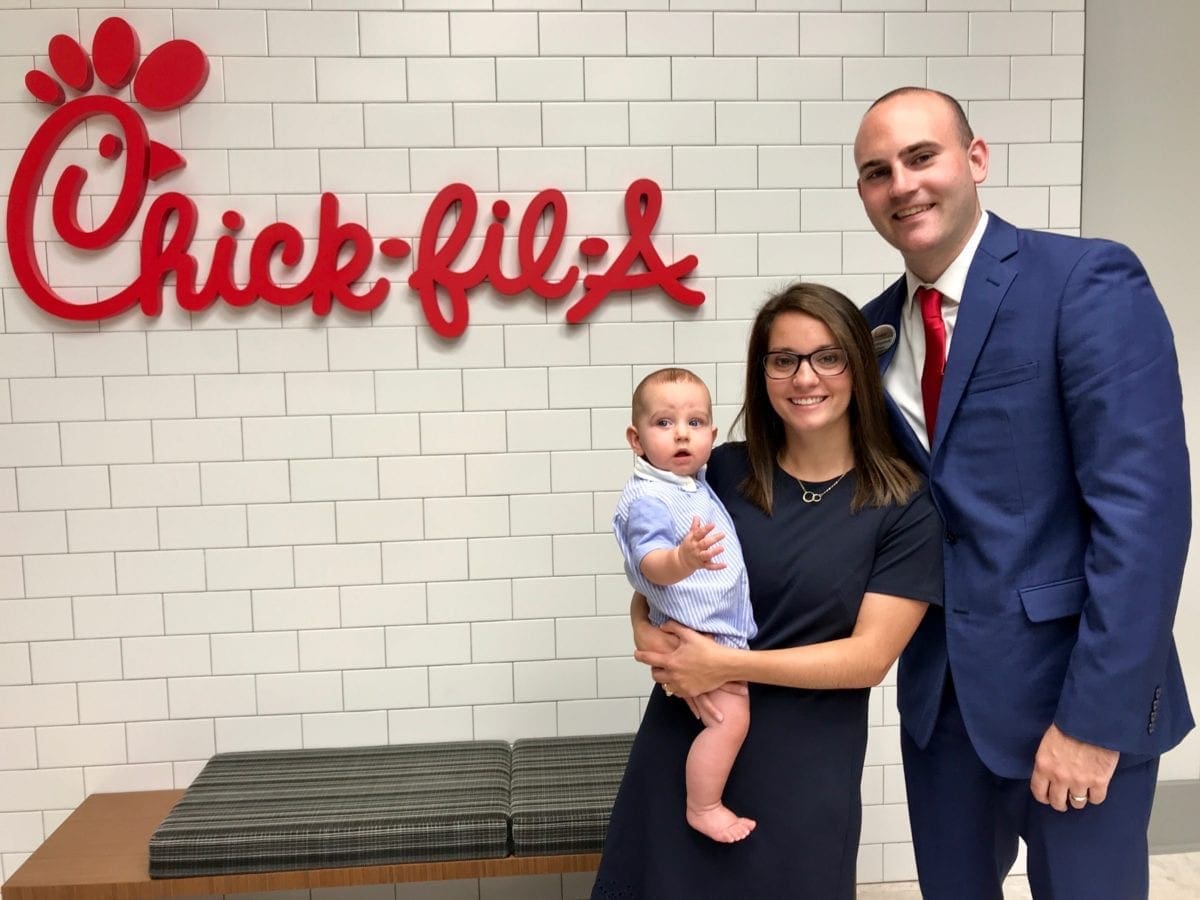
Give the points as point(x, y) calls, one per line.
point(1077, 799)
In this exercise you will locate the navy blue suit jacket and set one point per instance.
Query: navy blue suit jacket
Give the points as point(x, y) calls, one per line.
point(1061, 473)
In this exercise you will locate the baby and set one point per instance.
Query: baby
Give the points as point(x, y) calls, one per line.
point(670, 527)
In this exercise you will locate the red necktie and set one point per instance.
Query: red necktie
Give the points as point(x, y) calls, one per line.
point(935, 354)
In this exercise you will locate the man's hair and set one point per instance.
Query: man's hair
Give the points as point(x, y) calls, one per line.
point(965, 134)
point(669, 375)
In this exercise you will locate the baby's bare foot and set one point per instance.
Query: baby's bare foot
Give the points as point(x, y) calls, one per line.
point(720, 823)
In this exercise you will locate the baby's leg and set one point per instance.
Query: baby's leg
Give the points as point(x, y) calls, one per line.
point(708, 765)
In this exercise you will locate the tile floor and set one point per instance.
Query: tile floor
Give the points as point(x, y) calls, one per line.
point(1173, 876)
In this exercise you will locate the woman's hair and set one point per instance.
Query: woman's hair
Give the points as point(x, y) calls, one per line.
point(881, 477)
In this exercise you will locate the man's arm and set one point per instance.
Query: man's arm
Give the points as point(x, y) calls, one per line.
point(1120, 384)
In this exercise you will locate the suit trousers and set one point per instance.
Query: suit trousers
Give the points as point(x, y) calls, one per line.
point(966, 822)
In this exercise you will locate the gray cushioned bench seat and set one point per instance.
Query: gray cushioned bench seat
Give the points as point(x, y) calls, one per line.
point(306, 809)
point(276, 810)
point(563, 791)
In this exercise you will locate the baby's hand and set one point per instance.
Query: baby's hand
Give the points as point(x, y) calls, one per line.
point(700, 546)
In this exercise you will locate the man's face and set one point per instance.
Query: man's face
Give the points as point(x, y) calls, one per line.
point(917, 181)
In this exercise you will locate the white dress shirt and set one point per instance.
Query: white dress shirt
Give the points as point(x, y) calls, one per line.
point(902, 380)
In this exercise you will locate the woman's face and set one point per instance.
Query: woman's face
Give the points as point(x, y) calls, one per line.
point(808, 404)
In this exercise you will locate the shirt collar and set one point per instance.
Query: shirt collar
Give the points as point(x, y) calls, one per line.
point(953, 281)
point(643, 469)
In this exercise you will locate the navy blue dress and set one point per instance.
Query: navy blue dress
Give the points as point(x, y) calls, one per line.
point(799, 771)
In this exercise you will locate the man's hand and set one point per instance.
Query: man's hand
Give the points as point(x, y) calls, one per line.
point(700, 547)
point(1066, 770)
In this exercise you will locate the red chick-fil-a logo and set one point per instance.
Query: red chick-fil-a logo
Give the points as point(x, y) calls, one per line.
point(170, 76)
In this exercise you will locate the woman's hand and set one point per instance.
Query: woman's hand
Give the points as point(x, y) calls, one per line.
point(662, 642)
point(647, 636)
point(649, 639)
point(696, 666)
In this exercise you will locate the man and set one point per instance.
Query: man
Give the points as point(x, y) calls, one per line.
point(1037, 387)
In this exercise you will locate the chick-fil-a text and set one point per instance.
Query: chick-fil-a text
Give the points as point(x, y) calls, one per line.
point(441, 279)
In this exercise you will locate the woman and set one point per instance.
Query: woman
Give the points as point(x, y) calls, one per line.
point(842, 548)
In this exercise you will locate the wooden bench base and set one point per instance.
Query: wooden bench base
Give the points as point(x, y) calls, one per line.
point(100, 853)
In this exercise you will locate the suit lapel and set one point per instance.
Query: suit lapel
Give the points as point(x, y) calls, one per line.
point(988, 281)
point(890, 308)
point(906, 439)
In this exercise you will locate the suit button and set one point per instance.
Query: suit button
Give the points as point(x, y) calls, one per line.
point(1153, 706)
point(1157, 692)
point(1150, 728)
point(951, 537)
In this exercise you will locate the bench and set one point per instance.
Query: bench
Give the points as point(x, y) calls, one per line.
point(561, 792)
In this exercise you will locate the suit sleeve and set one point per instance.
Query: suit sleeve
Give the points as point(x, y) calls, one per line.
point(1120, 381)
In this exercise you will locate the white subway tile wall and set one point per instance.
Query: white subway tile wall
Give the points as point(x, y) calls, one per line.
point(244, 528)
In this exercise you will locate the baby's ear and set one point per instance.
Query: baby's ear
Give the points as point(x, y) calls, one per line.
point(635, 442)
point(883, 336)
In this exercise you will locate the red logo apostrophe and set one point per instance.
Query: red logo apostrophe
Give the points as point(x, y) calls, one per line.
point(170, 76)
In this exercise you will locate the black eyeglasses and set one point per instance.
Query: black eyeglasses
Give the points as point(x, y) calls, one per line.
point(781, 364)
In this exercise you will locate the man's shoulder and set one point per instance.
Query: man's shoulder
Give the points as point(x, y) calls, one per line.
point(1056, 244)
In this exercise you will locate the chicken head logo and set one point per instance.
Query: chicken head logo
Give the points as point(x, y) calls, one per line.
point(170, 75)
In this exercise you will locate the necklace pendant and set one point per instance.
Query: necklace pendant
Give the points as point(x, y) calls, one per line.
point(811, 496)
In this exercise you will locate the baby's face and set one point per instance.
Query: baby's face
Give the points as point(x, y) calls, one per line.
point(674, 431)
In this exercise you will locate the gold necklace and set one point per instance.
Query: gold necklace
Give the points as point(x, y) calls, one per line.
point(811, 496)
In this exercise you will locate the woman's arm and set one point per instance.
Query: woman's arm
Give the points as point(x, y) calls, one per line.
point(884, 626)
